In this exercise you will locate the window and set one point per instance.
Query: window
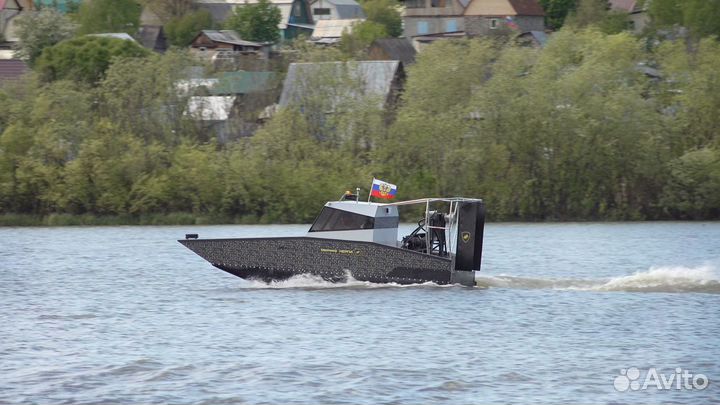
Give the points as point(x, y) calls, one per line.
point(321, 11)
point(437, 3)
point(415, 3)
point(422, 27)
point(493, 23)
point(451, 25)
point(331, 219)
point(297, 10)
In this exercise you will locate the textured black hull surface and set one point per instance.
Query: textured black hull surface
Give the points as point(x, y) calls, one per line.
point(271, 259)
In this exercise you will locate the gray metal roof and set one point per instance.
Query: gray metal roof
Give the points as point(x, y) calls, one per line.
point(12, 69)
point(116, 35)
point(397, 49)
point(229, 37)
point(374, 77)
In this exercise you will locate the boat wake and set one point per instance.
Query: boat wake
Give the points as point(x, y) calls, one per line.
point(703, 279)
point(311, 282)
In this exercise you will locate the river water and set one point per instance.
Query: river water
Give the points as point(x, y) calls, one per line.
point(564, 313)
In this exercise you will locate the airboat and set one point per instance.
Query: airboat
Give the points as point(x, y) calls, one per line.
point(358, 239)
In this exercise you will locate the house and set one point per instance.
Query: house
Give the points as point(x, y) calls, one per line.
point(336, 10)
point(335, 83)
point(244, 83)
point(421, 41)
point(472, 17)
point(638, 17)
point(152, 37)
point(229, 84)
point(296, 14)
point(9, 10)
point(330, 31)
point(12, 70)
point(213, 114)
point(210, 43)
point(63, 6)
point(230, 104)
point(393, 49)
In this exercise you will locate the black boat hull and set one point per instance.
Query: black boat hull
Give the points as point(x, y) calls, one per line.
point(271, 259)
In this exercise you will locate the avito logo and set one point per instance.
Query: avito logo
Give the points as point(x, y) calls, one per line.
point(630, 379)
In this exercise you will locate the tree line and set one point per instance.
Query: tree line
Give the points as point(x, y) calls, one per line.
point(594, 126)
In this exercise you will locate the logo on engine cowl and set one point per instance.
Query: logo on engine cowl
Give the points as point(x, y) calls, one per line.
point(465, 236)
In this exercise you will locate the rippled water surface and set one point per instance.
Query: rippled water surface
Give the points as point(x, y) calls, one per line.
point(128, 315)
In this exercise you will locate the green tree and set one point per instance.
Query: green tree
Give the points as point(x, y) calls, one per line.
point(168, 10)
point(666, 13)
point(256, 22)
point(429, 135)
point(100, 180)
point(385, 13)
point(693, 190)
point(37, 145)
point(598, 13)
point(614, 22)
point(139, 95)
point(691, 91)
point(702, 17)
point(182, 30)
point(556, 11)
point(363, 34)
point(102, 16)
point(283, 173)
point(589, 12)
point(37, 31)
point(85, 59)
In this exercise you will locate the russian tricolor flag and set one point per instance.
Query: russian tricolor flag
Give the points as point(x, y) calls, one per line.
point(381, 189)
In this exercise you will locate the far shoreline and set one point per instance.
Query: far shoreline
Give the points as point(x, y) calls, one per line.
point(189, 219)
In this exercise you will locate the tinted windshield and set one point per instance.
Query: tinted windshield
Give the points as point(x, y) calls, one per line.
point(331, 219)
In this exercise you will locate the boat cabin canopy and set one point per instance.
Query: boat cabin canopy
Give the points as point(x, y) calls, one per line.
point(357, 220)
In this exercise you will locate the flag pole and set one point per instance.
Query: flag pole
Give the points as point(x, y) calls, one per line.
point(371, 186)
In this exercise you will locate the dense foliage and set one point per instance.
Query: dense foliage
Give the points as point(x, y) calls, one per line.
point(556, 11)
point(37, 31)
point(167, 10)
point(597, 13)
point(84, 59)
point(577, 130)
point(256, 22)
point(99, 16)
point(385, 13)
point(181, 30)
point(701, 17)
